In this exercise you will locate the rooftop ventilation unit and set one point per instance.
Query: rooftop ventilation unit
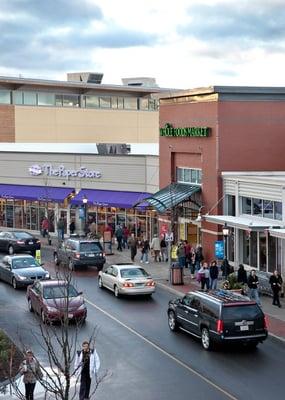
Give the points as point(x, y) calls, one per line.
point(143, 81)
point(86, 77)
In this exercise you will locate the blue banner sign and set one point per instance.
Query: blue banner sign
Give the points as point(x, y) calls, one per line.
point(219, 249)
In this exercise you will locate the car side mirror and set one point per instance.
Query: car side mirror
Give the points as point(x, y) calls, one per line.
point(41, 264)
point(80, 293)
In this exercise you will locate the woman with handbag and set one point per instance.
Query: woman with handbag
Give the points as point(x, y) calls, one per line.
point(30, 369)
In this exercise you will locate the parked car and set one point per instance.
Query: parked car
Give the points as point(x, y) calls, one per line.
point(220, 316)
point(79, 252)
point(21, 270)
point(126, 279)
point(49, 300)
point(18, 241)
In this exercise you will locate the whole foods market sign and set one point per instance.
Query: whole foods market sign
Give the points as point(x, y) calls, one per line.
point(62, 172)
point(192, 131)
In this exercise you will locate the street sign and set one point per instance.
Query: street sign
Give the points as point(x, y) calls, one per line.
point(219, 249)
point(169, 237)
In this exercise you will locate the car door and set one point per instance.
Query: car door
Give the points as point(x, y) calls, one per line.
point(107, 277)
point(2, 240)
point(6, 271)
point(182, 312)
point(35, 296)
point(194, 309)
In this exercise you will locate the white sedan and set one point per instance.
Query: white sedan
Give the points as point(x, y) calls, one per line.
point(126, 279)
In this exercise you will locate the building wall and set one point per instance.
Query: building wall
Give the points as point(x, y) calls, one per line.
point(127, 173)
point(71, 125)
point(7, 123)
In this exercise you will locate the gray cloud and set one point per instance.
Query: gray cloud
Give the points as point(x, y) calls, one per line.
point(245, 24)
point(30, 38)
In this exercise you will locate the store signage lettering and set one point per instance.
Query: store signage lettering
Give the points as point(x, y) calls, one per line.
point(192, 131)
point(62, 172)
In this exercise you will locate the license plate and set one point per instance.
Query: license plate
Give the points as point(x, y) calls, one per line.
point(139, 284)
point(91, 255)
point(31, 243)
point(244, 328)
point(70, 315)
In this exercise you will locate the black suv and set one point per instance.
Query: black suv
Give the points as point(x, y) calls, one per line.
point(79, 252)
point(220, 316)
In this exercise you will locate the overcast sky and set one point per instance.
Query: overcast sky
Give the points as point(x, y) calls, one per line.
point(182, 43)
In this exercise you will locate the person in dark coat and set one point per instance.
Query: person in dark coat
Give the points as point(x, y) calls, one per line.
point(133, 244)
point(242, 275)
point(214, 273)
point(253, 283)
point(226, 268)
point(276, 286)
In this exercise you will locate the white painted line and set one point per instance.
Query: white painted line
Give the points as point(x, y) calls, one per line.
point(181, 363)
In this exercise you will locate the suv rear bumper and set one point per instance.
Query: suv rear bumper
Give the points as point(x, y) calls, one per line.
point(89, 262)
point(240, 339)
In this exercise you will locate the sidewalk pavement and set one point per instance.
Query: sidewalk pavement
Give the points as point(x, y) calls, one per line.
point(161, 274)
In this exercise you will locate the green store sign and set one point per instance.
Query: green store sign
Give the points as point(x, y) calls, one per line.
point(192, 131)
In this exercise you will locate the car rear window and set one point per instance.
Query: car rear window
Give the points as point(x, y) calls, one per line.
point(58, 292)
point(22, 235)
point(133, 273)
point(248, 312)
point(90, 246)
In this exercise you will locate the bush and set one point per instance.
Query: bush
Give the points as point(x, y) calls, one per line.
point(231, 283)
point(10, 357)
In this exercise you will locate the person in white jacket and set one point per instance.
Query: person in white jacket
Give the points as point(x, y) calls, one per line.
point(87, 364)
point(155, 246)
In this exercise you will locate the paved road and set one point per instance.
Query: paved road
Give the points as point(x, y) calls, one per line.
point(146, 360)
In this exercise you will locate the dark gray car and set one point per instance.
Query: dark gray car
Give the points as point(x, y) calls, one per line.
point(21, 270)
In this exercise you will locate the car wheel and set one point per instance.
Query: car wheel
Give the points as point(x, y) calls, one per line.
point(43, 317)
point(55, 259)
point(172, 322)
point(116, 291)
point(71, 265)
point(100, 282)
point(11, 250)
point(205, 338)
point(30, 305)
point(14, 283)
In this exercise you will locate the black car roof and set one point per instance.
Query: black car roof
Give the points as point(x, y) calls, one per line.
point(225, 297)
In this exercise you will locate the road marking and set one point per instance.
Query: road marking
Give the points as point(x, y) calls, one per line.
point(181, 363)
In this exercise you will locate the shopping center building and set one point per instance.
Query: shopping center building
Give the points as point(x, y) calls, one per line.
point(205, 133)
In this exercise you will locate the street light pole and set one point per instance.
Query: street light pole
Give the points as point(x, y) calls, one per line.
point(226, 232)
point(85, 201)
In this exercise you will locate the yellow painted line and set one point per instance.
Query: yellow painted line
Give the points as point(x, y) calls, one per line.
point(181, 363)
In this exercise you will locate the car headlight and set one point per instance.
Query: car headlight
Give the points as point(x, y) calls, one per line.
point(21, 278)
point(51, 309)
point(82, 307)
point(47, 275)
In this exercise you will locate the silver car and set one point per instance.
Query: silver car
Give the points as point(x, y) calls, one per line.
point(126, 279)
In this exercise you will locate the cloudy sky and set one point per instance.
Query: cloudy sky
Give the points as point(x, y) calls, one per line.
point(182, 43)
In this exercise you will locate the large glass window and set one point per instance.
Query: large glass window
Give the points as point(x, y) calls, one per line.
point(105, 102)
point(268, 209)
point(131, 103)
point(246, 205)
point(17, 97)
point(231, 205)
point(58, 100)
point(46, 99)
point(5, 97)
point(262, 251)
point(257, 207)
point(278, 210)
point(92, 101)
point(120, 103)
point(245, 247)
point(70, 100)
point(114, 102)
point(30, 98)
point(143, 104)
point(189, 175)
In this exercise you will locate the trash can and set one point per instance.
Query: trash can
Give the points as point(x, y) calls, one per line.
point(176, 274)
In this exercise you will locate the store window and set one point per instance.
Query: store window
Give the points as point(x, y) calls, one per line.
point(5, 97)
point(30, 98)
point(189, 175)
point(46, 99)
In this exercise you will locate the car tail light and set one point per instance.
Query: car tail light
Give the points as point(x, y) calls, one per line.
point(220, 326)
point(128, 284)
point(151, 283)
point(77, 255)
point(20, 242)
point(265, 322)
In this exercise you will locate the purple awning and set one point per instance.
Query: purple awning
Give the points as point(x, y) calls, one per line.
point(40, 193)
point(109, 198)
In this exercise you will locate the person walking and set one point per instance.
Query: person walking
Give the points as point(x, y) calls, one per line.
point(214, 273)
point(155, 246)
point(126, 234)
point(226, 268)
point(181, 255)
point(60, 229)
point(204, 276)
point(242, 275)
point(87, 364)
point(198, 257)
point(45, 227)
point(145, 251)
point(133, 244)
point(253, 283)
point(119, 237)
point(30, 369)
point(163, 249)
point(276, 286)
point(188, 254)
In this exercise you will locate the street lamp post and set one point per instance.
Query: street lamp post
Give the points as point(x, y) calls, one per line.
point(85, 201)
point(226, 232)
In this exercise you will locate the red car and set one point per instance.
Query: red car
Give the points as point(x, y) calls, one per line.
point(54, 298)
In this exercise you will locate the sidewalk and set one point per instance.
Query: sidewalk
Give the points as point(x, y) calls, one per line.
point(160, 273)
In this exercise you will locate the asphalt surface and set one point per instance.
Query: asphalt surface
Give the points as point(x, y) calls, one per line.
point(143, 358)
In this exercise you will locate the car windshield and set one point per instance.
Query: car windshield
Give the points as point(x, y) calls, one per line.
point(134, 273)
point(23, 262)
point(59, 292)
point(22, 235)
point(238, 313)
point(90, 246)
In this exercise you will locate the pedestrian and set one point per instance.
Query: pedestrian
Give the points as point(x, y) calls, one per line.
point(226, 268)
point(72, 227)
point(30, 369)
point(204, 276)
point(242, 275)
point(188, 254)
point(163, 249)
point(133, 244)
point(45, 227)
point(198, 257)
point(87, 364)
point(145, 251)
point(60, 229)
point(253, 283)
point(192, 263)
point(214, 273)
point(181, 255)
point(276, 286)
point(155, 246)
point(126, 234)
point(119, 237)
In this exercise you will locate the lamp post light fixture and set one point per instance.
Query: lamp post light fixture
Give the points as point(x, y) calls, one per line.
point(226, 233)
point(85, 201)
